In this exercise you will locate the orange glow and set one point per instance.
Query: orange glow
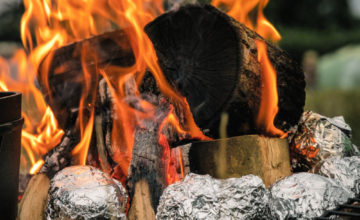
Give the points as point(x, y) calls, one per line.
point(36, 167)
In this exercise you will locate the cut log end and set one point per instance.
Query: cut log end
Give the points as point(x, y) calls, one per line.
point(211, 59)
point(267, 158)
point(34, 202)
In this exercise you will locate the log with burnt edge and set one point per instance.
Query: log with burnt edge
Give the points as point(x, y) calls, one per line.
point(211, 59)
point(63, 71)
point(146, 162)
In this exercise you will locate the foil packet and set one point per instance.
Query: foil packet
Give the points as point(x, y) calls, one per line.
point(345, 170)
point(316, 138)
point(305, 196)
point(203, 197)
point(84, 192)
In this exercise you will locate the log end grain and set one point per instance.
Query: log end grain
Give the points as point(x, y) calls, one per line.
point(34, 202)
point(267, 158)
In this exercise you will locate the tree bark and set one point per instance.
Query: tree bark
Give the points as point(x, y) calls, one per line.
point(211, 59)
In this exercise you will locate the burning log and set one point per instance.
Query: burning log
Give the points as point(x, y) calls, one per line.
point(141, 207)
point(212, 60)
point(146, 162)
point(267, 158)
point(59, 157)
point(63, 71)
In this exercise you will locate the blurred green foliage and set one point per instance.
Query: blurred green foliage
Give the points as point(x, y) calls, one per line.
point(336, 102)
point(10, 22)
point(298, 40)
point(321, 25)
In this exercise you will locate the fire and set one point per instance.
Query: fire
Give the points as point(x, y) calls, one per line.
point(269, 98)
point(48, 24)
point(250, 13)
point(40, 133)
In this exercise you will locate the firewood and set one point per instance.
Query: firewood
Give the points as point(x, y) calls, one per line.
point(34, 202)
point(141, 204)
point(60, 156)
point(265, 157)
point(211, 59)
point(146, 162)
point(63, 71)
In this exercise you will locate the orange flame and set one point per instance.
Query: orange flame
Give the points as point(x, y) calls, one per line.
point(250, 13)
point(48, 24)
point(269, 97)
point(40, 133)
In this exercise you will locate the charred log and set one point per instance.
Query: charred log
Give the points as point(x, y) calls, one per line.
point(146, 163)
point(211, 59)
point(60, 156)
point(61, 74)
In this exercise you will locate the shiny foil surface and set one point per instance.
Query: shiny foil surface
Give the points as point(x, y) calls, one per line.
point(318, 137)
point(84, 192)
point(305, 196)
point(203, 197)
point(344, 170)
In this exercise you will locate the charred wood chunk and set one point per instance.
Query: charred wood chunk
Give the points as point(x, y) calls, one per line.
point(147, 163)
point(60, 156)
point(211, 59)
point(63, 70)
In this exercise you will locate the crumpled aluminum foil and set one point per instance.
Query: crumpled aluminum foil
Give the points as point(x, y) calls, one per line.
point(344, 170)
point(84, 192)
point(203, 197)
point(305, 196)
point(318, 137)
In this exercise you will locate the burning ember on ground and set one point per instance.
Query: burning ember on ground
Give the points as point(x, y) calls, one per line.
point(132, 92)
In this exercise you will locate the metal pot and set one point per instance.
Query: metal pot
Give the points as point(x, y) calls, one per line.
point(10, 143)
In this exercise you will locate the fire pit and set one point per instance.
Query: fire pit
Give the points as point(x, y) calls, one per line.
point(187, 113)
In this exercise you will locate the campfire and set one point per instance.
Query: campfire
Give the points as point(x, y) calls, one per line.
point(134, 111)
